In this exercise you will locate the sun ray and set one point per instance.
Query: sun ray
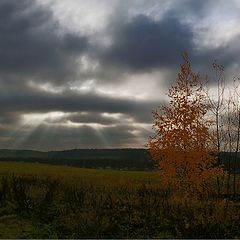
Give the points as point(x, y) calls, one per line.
point(102, 137)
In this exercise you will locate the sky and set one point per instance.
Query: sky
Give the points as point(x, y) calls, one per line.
point(87, 74)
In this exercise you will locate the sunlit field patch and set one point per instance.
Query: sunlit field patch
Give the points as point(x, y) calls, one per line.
point(64, 173)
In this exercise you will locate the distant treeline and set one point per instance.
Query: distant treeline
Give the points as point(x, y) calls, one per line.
point(125, 159)
point(227, 160)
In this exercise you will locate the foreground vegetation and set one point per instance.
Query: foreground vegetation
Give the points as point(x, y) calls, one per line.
point(41, 201)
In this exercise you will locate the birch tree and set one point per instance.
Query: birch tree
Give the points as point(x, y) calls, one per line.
point(182, 144)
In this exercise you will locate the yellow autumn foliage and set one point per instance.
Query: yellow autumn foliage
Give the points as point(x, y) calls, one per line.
point(183, 145)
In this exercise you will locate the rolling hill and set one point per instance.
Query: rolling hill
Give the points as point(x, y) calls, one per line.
point(128, 159)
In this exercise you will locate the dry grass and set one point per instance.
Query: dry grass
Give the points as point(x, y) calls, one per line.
point(63, 202)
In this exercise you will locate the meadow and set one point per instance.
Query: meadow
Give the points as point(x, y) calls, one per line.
point(44, 201)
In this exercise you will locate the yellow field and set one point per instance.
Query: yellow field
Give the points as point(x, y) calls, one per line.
point(96, 176)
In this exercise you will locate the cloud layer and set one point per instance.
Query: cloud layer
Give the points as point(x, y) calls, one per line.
point(79, 74)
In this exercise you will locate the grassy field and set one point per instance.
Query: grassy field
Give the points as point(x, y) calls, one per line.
point(43, 201)
point(65, 173)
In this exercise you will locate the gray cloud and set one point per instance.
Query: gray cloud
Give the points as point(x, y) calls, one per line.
point(143, 44)
point(32, 46)
point(71, 102)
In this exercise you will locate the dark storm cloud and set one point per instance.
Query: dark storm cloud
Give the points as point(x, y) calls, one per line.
point(229, 54)
point(31, 45)
point(198, 9)
point(71, 102)
point(143, 43)
point(35, 49)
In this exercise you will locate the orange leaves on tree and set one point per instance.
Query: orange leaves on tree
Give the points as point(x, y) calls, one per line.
point(183, 146)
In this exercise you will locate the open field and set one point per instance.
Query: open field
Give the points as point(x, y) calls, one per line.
point(73, 174)
point(43, 201)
